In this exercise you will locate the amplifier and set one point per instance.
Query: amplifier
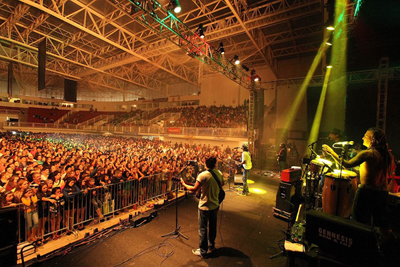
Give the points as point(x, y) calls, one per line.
point(290, 175)
point(341, 238)
point(238, 179)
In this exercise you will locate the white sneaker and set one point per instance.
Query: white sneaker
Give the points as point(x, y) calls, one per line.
point(197, 252)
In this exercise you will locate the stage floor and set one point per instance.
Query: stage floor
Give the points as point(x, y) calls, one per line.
point(247, 235)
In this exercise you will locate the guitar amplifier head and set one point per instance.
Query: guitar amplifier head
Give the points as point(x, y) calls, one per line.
point(290, 175)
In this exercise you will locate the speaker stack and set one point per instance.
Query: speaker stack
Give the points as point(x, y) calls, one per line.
point(288, 196)
point(9, 236)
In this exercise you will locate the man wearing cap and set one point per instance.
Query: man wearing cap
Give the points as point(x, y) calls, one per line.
point(247, 165)
point(334, 137)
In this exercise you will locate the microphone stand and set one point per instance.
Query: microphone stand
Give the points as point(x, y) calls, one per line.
point(309, 177)
point(176, 232)
point(230, 175)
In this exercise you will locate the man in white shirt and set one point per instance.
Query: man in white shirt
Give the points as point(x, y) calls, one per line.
point(247, 165)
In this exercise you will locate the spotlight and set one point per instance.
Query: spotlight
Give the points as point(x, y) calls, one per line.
point(236, 60)
point(330, 28)
point(200, 30)
point(329, 67)
point(254, 76)
point(221, 48)
point(328, 43)
point(175, 6)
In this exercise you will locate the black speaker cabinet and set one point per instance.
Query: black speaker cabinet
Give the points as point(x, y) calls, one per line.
point(288, 197)
point(8, 236)
point(342, 239)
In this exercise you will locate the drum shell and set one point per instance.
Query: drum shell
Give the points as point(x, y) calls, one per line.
point(338, 195)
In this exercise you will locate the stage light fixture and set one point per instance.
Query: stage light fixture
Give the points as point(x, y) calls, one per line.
point(329, 67)
point(221, 48)
point(330, 28)
point(175, 6)
point(254, 76)
point(236, 60)
point(328, 43)
point(245, 68)
point(200, 30)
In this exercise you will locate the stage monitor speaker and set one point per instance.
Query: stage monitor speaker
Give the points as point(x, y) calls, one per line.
point(238, 179)
point(42, 65)
point(288, 197)
point(8, 236)
point(70, 90)
point(342, 239)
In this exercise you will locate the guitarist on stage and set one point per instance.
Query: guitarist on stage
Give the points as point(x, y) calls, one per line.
point(208, 206)
point(247, 165)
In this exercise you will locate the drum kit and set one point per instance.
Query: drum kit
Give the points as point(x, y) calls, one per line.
point(329, 190)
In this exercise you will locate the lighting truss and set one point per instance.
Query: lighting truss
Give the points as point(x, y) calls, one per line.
point(182, 36)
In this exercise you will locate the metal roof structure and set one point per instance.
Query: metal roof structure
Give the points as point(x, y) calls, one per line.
point(141, 48)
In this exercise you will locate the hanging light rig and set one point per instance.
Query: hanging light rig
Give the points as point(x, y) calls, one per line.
point(182, 36)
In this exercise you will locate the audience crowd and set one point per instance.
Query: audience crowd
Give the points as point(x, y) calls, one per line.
point(201, 116)
point(54, 178)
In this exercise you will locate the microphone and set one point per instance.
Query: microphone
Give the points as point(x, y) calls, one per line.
point(345, 143)
point(236, 147)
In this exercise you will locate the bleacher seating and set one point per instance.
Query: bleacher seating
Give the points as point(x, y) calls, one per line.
point(45, 115)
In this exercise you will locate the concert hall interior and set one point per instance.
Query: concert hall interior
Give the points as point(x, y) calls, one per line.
point(123, 122)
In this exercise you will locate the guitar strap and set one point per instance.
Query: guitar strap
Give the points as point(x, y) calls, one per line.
point(216, 179)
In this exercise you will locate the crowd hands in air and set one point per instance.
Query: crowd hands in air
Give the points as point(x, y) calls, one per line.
point(201, 116)
point(42, 172)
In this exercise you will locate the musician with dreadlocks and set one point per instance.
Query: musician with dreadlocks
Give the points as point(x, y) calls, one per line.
point(376, 164)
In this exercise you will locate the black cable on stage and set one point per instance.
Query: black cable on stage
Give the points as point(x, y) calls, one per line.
point(93, 238)
point(150, 249)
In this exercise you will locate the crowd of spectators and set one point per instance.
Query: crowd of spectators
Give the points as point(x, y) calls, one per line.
point(43, 172)
point(212, 117)
point(122, 118)
point(201, 116)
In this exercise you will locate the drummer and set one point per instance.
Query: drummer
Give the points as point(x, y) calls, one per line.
point(370, 202)
point(334, 136)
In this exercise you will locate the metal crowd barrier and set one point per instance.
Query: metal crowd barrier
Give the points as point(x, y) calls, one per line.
point(70, 213)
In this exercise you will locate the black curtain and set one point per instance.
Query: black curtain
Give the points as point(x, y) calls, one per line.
point(70, 90)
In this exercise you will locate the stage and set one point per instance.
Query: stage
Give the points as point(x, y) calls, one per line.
point(247, 235)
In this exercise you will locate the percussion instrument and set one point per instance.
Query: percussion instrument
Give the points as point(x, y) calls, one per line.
point(338, 192)
point(317, 165)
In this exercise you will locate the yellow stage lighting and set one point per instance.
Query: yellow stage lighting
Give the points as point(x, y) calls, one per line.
point(257, 191)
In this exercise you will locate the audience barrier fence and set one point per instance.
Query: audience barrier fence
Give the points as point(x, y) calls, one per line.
point(74, 210)
point(154, 129)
